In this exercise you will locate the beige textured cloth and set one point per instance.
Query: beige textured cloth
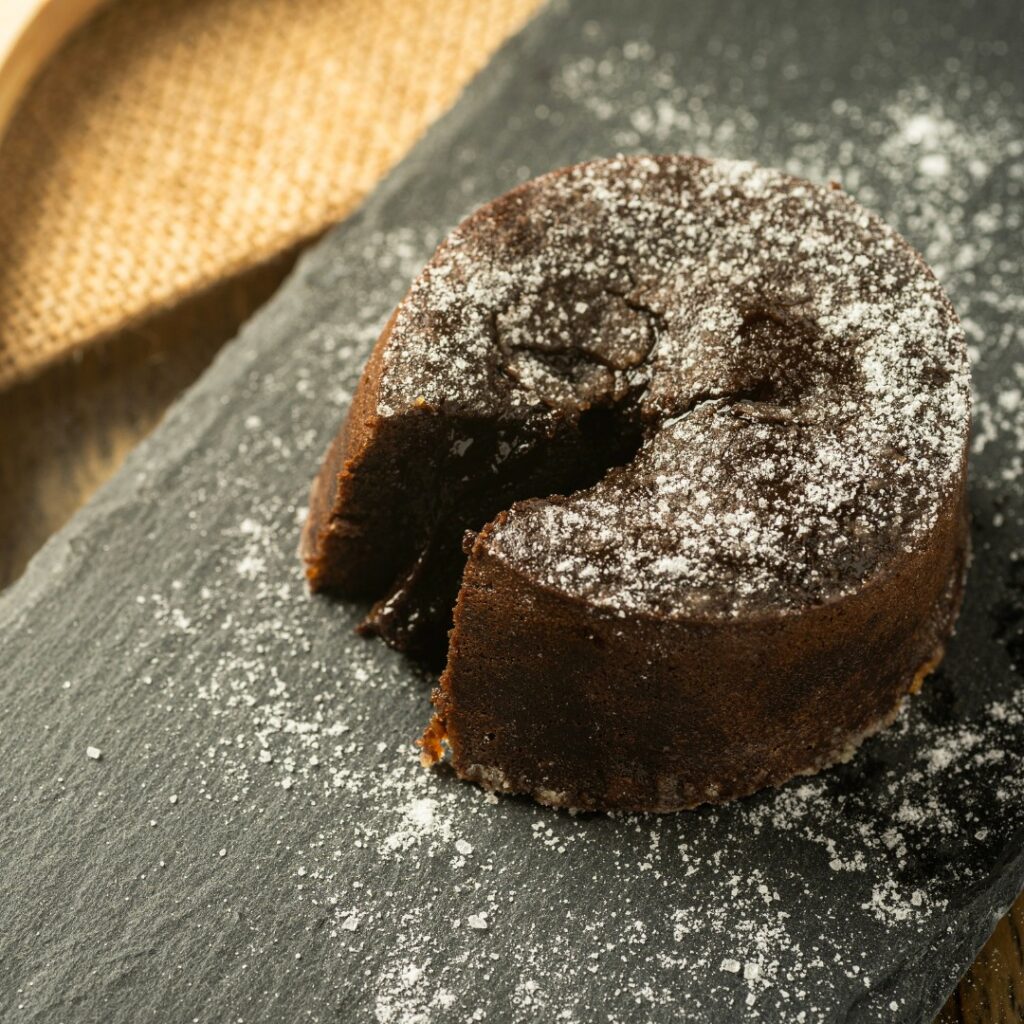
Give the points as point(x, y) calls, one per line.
point(174, 143)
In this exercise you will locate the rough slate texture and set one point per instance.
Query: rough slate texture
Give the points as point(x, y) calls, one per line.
point(256, 841)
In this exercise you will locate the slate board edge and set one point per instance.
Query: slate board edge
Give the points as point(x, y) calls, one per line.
point(958, 947)
point(185, 423)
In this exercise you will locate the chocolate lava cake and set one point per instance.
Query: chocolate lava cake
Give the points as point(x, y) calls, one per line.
point(683, 443)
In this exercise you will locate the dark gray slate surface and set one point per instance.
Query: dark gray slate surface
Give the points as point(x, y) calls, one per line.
point(257, 842)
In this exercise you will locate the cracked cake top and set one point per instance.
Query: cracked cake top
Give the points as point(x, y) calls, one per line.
point(799, 376)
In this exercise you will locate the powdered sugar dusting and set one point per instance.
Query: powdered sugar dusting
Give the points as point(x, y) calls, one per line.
point(802, 377)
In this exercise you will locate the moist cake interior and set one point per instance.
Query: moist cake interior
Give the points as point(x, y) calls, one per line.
point(479, 468)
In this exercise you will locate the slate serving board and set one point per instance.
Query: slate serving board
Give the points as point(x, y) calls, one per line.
point(253, 840)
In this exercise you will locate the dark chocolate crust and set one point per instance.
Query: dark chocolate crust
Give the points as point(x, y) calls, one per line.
point(700, 430)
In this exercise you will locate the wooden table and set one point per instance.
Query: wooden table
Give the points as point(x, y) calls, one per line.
point(65, 432)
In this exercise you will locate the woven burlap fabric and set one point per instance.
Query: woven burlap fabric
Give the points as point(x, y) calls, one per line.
point(171, 144)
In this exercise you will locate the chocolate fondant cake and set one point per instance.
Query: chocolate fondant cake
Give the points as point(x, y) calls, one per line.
point(683, 442)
